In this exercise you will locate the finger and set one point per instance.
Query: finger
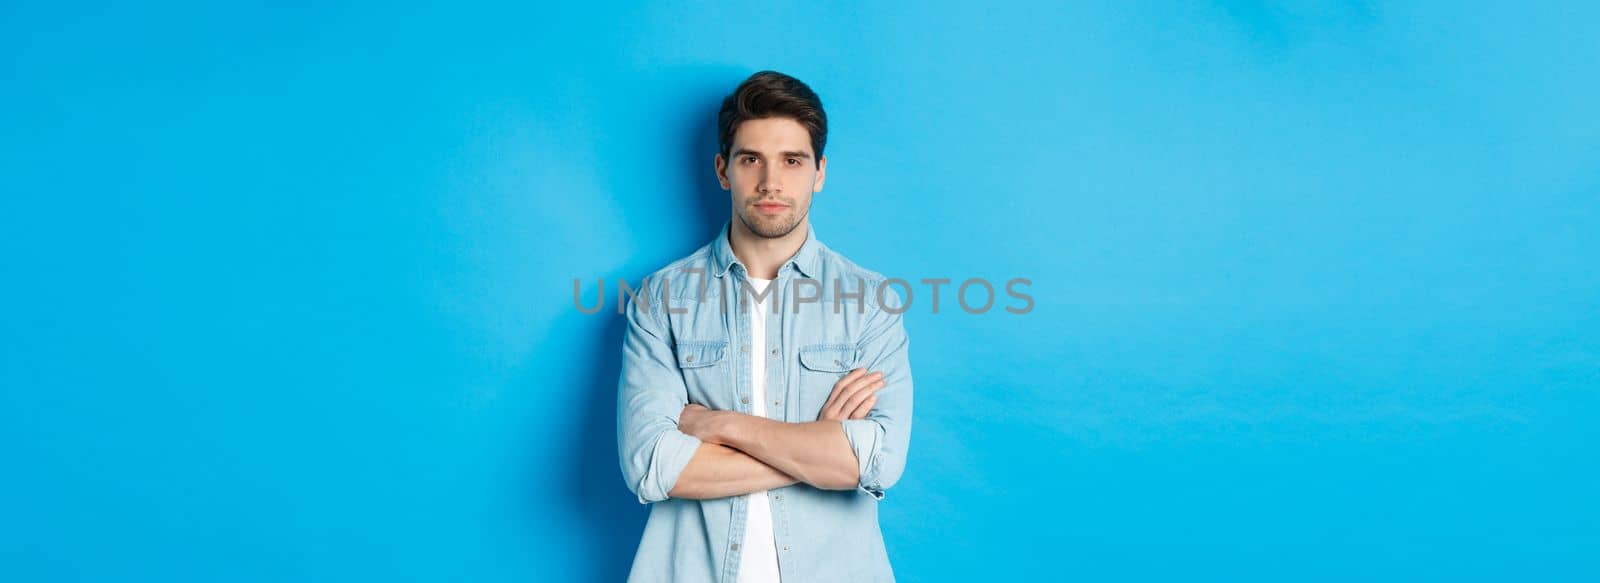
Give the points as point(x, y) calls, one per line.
point(849, 400)
point(865, 407)
point(861, 395)
point(860, 384)
point(840, 388)
point(845, 380)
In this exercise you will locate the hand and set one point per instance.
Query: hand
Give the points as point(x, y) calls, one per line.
point(853, 396)
point(700, 422)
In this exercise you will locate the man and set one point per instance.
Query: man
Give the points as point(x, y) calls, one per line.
point(764, 404)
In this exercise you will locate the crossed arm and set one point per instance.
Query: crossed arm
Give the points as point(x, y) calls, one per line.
point(743, 453)
point(671, 448)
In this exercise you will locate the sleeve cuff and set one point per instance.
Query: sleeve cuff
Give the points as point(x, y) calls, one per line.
point(672, 455)
point(866, 439)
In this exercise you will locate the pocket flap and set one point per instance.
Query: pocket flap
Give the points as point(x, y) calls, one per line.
point(829, 357)
point(695, 354)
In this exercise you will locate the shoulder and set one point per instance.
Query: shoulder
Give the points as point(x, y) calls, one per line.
point(838, 270)
point(835, 263)
point(683, 278)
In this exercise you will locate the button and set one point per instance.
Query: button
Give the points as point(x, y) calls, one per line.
point(777, 496)
point(689, 358)
point(774, 352)
point(736, 546)
point(839, 362)
point(745, 348)
point(786, 547)
point(745, 400)
point(776, 403)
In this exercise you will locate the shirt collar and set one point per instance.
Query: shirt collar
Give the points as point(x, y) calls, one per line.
point(804, 260)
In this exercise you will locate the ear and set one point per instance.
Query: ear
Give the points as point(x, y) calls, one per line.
point(721, 167)
point(822, 174)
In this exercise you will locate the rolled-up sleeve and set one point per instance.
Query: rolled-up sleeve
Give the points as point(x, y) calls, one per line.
point(881, 439)
point(650, 397)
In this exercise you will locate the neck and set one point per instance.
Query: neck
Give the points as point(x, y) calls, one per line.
point(762, 256)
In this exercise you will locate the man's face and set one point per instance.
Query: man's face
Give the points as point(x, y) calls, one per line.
point(771, 173)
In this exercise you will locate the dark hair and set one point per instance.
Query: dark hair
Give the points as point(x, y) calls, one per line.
point(773, 94)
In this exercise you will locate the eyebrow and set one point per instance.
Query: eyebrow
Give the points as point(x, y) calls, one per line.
point(787, 154)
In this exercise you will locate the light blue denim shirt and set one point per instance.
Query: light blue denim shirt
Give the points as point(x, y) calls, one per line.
point(687, 341)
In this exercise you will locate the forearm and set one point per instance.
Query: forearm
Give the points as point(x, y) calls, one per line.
point(718, 471)
point(816, 452)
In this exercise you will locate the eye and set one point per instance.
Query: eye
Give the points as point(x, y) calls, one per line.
point(749, 159)
point(794, 161)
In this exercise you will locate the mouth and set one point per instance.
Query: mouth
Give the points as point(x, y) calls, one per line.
point(771, 207)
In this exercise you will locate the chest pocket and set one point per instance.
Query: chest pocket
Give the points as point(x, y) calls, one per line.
point(705, 369)
point(821, 365)
point(701, 353)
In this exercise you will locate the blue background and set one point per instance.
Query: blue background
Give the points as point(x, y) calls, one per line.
point(288, 286)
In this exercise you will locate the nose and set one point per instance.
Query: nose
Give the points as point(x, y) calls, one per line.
point(769, 182)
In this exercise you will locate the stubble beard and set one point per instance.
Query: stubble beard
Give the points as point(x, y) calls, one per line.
point(770, 227)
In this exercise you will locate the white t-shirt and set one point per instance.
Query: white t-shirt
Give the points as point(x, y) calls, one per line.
point(759, 561)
